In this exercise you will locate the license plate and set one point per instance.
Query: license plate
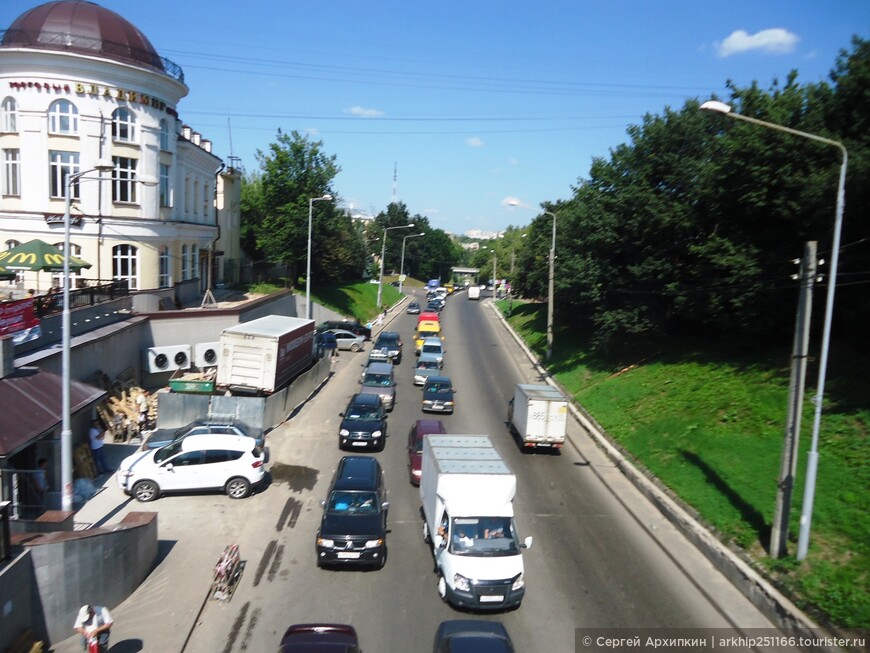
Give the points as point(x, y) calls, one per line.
point(359, 444)
point(352, 555)
point(437, 407)
point(491, 598)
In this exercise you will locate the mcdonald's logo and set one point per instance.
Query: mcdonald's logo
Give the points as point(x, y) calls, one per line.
point(53, 259)
point(26, 258)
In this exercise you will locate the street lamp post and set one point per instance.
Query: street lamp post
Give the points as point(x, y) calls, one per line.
point(383, 252)
point(402, 266)
point(813, 455)
point(550, 290)
point(66, 417)
point(323, 198)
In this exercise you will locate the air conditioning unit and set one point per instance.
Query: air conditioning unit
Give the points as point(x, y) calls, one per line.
point(205, 354)
point(167, 359)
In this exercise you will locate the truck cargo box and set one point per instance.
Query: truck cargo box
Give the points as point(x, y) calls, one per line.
point(539, 415)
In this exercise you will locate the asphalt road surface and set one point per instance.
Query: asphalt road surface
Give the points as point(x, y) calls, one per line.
point(602, 556)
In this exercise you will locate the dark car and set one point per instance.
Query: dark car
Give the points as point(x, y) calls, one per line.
point(413, 308)
point(388, 345)
point(319, 638)
point(353, 529)
point(348, 325)
point(162, 437)
point(421, 428)
point(436, 305)
point(364, 422)
point(438, 395)
point(460, 635)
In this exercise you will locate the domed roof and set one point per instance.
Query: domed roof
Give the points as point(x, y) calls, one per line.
point(85, 27)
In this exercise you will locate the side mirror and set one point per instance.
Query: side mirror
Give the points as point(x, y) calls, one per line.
point(385, 505)
point(169, 467)
point(527, 543)
point(323, 503)
point(341, 414)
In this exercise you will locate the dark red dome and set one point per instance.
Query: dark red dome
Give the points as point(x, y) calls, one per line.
point(85, 27)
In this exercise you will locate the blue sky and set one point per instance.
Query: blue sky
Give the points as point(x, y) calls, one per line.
point(473, 102)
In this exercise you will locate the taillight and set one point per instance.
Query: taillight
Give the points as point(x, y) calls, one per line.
point(257, 463)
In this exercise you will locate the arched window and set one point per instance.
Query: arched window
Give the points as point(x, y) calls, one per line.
point(164, 136)
point(125, 265)
point(63, 118)
point(9, 115)
point(124, 125)
point(165, 279)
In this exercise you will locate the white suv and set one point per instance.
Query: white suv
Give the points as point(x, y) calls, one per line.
point(232, 463)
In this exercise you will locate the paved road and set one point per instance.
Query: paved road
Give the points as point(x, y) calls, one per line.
point(602, 556)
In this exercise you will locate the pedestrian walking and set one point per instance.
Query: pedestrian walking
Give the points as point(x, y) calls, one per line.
point(94, 624)
point(97, 435)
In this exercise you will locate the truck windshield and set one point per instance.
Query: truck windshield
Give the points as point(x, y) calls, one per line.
point(483, 536)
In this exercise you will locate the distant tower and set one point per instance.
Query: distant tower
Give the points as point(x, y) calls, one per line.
point(395, 182)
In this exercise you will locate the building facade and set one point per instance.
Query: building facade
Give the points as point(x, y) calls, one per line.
point(81, 87)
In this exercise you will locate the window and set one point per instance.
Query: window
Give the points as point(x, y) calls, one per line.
point(185, 256)
point(165, 278)
point(164, 185)
point(9, 115)
point(60, 166)
point(124, 268)
point(195, 197)
point(205, 200)
point(124, 182)
point(194, 262)
point(124, 126)
point(11, 244)
point(12, 172)
point(57, 277)
point(63, 118)
point(164, 136)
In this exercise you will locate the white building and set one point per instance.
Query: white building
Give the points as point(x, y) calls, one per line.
point(80, 84)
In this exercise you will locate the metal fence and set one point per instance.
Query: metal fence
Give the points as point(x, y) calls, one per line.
point(92, 293)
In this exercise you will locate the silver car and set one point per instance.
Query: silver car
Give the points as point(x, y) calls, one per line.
point(348, 340)
point(427, 365)
point(378, 379)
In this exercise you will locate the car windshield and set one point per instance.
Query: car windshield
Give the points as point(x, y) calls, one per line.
point(439, 388)
point(431, 349)
point(385, 341)
point(427, 365)
point(355, 503)
point(483, 536)
point(377, 380)
point(362, 413)
point(165, 453)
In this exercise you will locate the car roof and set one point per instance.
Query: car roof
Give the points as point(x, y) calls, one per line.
point(429, 340)
point(427, 426)
point(311, 637)
point(428, 356)
point(438, 379)
point(345, 331)
point(217, 441)
point(365, 399)
point(357, 473)
point(379, 368)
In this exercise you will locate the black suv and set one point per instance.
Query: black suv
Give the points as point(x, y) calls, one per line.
point(364, 423)
point(347, 325)
point(353, 529)
point(387, 346)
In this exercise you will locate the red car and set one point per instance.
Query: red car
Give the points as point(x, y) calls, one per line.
point(309, 638)
point(415, 445)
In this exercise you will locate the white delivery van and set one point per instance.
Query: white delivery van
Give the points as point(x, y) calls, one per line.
point(467, 492)
point(539, 415)
point(474, 292)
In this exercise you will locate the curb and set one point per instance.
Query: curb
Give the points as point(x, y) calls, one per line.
point(760, 592)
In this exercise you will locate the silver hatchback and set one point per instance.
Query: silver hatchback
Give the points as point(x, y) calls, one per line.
point(379, 379)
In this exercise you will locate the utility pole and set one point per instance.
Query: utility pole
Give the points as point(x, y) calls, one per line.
point(788, 464)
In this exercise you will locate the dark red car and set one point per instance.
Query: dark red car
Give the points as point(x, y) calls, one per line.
point(319, 638)
point(415, 445)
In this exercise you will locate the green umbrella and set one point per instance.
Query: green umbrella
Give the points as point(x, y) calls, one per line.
point(6, 275)
point(38, 256)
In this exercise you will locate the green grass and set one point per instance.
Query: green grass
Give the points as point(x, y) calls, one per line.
point(709, 423)
point(357, 300)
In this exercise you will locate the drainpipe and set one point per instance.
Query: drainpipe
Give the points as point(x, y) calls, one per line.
point(216, 224)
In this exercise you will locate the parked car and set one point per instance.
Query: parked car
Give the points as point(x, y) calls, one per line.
point(413, 308)
point(378, 379)
point(162, 437)
point(353, 529)
point(415, 445)
point(314, 638)
point(433, 346)
point(232, 463)
point(468, 635)
point(438, 395)
point(364, 422)
point(427, 365)
point(348, 340)
point(348, 325)
point(388, 345)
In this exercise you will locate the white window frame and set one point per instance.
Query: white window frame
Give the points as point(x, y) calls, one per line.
point(165, 197)
point(164, 135)
point(63, 117)
point(9, 111)
point(61, 164)
point(125, 265)
point(57, 277)
point(164, 270)
point(11, 172)
point(194, 262)
point(123, 125)
point(124, 180)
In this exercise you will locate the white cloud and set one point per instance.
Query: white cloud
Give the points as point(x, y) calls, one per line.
point(474, 141)
point(362, 112)
point(513, 201)
point(774, 41)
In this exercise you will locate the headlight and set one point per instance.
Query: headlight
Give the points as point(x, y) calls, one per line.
point(376, 434)
point(344, 432)
point(329, 544)
point(374, 544)
point(427, 402)
point(519, 583)
point(448, 403)
point(461, 583)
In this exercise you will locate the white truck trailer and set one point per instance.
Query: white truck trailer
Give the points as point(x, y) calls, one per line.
point(539, 415)
point(467, 492)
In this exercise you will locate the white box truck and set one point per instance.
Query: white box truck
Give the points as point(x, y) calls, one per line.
point(467, 492)
point(538, 414)
point(474, 292)
point(263, 355)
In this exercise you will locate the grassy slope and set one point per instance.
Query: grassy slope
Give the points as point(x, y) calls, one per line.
point(709, 424)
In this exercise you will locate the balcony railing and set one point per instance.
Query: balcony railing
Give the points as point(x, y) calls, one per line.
point(94, 292)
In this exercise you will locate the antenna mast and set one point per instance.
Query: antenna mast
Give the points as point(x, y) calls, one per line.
point(395, 183)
